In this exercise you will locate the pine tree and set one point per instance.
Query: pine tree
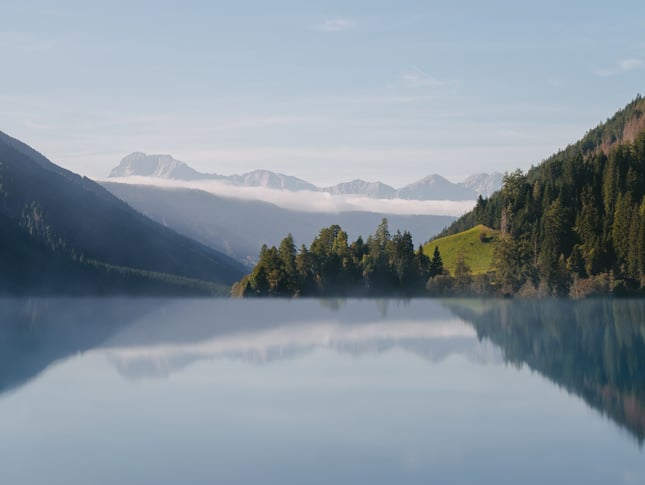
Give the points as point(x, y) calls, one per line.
point(401, 259)
point(423, 264)
point(436, 263)
point(305, 271)
point(620, 228)
point(287, 254)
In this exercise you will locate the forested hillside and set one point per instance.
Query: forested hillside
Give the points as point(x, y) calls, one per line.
point(62, 233)
point(575, 224)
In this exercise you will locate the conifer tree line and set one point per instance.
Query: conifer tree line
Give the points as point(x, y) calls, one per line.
point(575, 224)
point(331, 265)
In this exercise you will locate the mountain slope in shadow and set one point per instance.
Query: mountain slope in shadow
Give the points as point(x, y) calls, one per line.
point(63, 233)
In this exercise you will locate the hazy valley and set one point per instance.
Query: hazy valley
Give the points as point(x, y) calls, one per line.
point(239, 227)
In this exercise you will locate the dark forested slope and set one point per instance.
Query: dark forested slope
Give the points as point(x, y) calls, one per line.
point(576, 218)
point(64, 233)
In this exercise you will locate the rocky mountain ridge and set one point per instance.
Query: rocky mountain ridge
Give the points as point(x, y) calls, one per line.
point(432, 187)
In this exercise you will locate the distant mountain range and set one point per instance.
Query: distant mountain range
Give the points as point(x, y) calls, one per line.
point(63, 233)
point(432, 187)
point(239, 227)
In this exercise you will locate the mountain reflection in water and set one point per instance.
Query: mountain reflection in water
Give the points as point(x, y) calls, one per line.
point(594, 349)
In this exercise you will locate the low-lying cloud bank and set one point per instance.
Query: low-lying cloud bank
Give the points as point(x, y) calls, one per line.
point(308, 201)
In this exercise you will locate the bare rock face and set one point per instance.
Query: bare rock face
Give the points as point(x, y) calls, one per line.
point(159, 166)
point(435, 187)
point(271, 180)
point(484, 184)
point(374, 190)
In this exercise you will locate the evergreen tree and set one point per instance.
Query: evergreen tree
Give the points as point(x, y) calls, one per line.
point(377, 270)
point(512, 264)
point(554, 243)
point(436, 264)
point(305, 271)
point(620, 228)
point(423, 264)
point(401, 259)
point(287, 254)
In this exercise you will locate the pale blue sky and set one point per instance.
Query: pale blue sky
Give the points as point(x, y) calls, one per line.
point(327, 91)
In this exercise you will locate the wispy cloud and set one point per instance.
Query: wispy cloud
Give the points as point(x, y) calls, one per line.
point(416, 78)
point(335, 25)
point(622, 66)
point(630, 64)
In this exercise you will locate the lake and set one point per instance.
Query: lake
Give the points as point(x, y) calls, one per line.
point(145, 391)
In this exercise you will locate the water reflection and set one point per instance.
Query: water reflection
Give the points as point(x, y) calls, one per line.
point(145, 350)
point(36, 332)
point(593, 349)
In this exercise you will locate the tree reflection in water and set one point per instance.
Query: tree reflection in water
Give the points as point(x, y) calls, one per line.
point(593, 348)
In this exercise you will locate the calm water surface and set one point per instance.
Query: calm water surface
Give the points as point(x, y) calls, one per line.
point(359, 391)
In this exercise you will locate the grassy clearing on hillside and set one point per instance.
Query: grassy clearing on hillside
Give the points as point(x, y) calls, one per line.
point(476, 245)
